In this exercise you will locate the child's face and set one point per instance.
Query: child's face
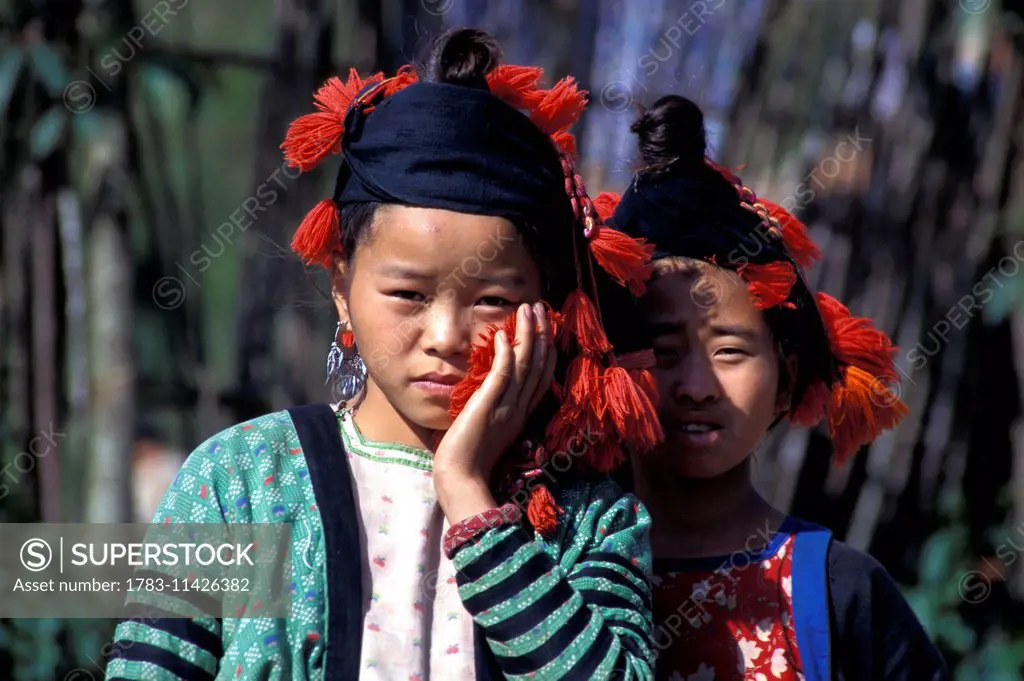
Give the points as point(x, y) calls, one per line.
point(420, 290)
point(717, 368)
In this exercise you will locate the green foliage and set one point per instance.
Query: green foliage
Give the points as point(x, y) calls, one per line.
point(11, 60)
point(943, 599)
point(48, 132)
point(1008, 297)
point(50, 69)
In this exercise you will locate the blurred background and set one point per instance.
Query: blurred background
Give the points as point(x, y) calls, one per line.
point(149, 298)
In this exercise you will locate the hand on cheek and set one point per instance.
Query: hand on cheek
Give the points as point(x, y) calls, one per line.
point(519, 377)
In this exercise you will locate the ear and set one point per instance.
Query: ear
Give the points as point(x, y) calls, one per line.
point(787, 377)
point(340, 288)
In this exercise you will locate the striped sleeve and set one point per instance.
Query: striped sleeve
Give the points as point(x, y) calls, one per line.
point(590, 619)
point(148, 644)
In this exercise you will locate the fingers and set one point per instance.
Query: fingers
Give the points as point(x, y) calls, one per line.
point(523, 352)
point(547, 376)
point(541, 351)
point(497, 382)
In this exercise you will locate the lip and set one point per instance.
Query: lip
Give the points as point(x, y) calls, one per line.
point(694, 439)
point(697, 419)
point(437, 385)
point(439, 379)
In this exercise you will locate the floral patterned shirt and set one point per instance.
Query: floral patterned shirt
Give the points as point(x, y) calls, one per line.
point(728, 618)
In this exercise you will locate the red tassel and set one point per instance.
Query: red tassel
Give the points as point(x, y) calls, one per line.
point(542, 511)
point(769, 284)
point(581, 322)
point(813, 404)
point(319, 235)
point(560, 107)
point(582, 384)
point(645, 379)
point(625, 259)
point(855, 340)
point(312, 137)
point(403, 78)
point(606, 203)
point(481, 357)
point(348, 339)
point(516, 85)
point(631, 410)
point(860, 412)
point(794, 233)
point(604, 456)
point(568, 423)
point(565, 142)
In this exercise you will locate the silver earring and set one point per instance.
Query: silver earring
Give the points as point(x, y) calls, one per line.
point(345, 367)
point(334, 355)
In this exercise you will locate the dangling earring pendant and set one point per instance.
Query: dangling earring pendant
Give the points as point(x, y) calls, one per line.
point(344, 365)
point(335, 356)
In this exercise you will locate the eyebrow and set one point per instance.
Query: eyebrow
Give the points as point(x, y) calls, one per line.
point(404, 272)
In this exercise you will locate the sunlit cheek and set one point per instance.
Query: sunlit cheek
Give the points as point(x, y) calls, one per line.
point(395, 329)
point(751, 387)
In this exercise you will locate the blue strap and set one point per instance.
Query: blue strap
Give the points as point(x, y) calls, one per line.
point(811, 600)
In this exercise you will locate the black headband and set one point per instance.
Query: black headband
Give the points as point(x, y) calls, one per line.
point(457, 148)
point(693, 214)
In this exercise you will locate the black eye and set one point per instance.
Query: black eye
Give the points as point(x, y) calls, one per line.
point(411, 296)
point(494, 301)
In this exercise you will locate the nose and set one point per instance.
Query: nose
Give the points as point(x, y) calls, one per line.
point(446, 330)
point(695, 380)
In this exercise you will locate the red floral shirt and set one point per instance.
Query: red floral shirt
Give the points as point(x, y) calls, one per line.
point(728, 619)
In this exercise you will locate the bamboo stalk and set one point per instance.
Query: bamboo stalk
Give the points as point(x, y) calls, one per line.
point(112, 405)
point(44, 353)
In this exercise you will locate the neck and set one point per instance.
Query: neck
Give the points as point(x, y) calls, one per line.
point(378, 420)
point(701, 517)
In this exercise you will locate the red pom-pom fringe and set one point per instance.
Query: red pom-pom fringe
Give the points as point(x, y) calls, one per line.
point(645, 379)
point(813, 404)
point(632, 411)
point(606, 203)
point(404, 77)
point(861, 409)
point(861, 405)
point(855, 340)
point(582, 323)
point(769, 284)
point(625, 259)
point(582, 384)
point(560, 107)
point(604, 455)
point(481, 357)
point(312, 137)
point(542, 511)
point(794, 233)
point(318, 238)
point(516, 85)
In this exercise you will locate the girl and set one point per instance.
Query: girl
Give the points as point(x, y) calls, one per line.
point(743, 591)
point(450, 221)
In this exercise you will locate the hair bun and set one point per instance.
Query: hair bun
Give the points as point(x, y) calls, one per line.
point(671, 132)
point(462, 56)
